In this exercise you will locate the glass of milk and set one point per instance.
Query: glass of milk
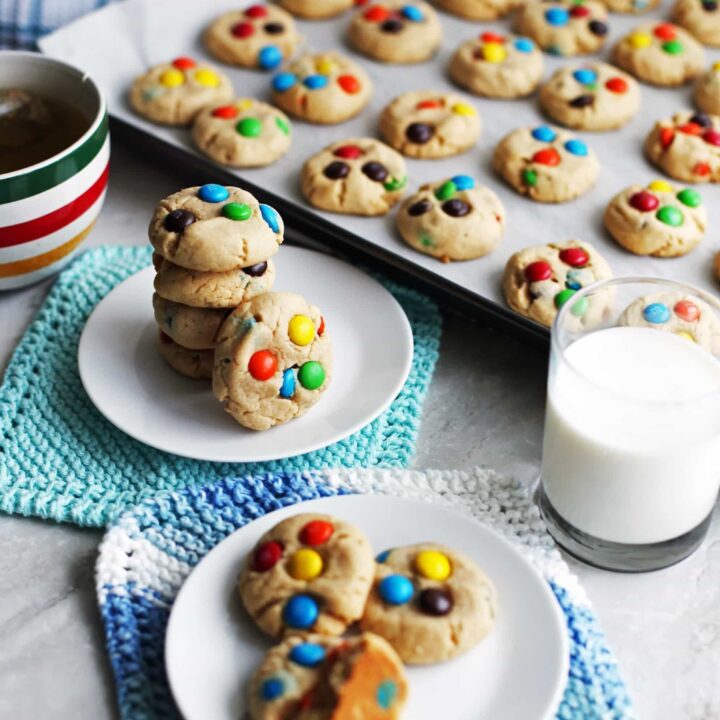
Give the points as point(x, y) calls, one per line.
point(631, 451)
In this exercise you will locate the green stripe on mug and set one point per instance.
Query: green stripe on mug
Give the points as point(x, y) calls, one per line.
point(51, 175)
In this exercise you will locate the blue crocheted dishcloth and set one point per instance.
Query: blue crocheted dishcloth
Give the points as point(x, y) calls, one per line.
point(61, 459)
point(150, 550)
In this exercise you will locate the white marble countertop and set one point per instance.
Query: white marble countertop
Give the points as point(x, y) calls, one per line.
point(485, 407)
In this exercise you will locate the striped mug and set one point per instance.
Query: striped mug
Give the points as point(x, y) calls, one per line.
point(47, 209)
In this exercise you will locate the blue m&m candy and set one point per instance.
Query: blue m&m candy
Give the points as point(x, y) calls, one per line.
point(272, 689)
point(269, 57)
point(543, 133)
point(213, 193)
point(315, 82)
point(585, 76)
point(301, 612)
point(271, 217)
point(308, 654)
point(383, 556)
point(283, 81)
point(557, 16)
point(412, 13)
point(524, 45)
point(287, 389)
point(576, 147)
point(573, 280)
point(386, 694)
point(396, 589)
point(656, 313)
point(463, 182)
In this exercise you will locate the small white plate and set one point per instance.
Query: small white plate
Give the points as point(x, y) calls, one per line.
point(517, 673)
point(130, 384)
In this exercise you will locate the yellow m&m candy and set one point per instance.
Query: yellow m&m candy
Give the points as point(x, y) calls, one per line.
point(640, 40)
point(207, 78)
point(433, 565)
point(685, 336)
point(244, 104)
point(463, 109)
point(324, 66)
point(661, 186)
point(305, 564)
point(301, 330)
point(494, 52)
point(716, 66)
point(172, 78)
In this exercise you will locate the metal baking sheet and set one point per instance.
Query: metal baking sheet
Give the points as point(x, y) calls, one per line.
point(120, 41)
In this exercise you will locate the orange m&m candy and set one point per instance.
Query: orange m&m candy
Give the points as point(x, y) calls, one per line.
point(184, 63)
point(376, 13)
point(316, 532)
point(226, 112)
point(665, 31)
point(548, 156)
point(350, 84)
point(617, 85)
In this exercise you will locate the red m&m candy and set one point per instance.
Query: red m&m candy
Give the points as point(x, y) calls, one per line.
point(667, 135)
point(267, 556)
point(691, 128)
point(644, 201)
point(350, 84)
point(428, 104)
point(263, 365)
point(242, 29)
point(491, 37)
point(184, 63)
point(665, 31)
point(256, 11)
point(349, 152)
point(316, 532)
point(548, 156)
point(575, 256)
point(579, 11)
point(226, 112)
point(687, 310)
point(538, 271)
point(617, 85)
point(712, 137)
point(376, 13)
point(702, 169)
point(321, 329)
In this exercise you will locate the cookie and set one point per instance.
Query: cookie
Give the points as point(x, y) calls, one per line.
point(701, 18)
point(497, 65)
point(546, 164)
point(324, 88)
point(396, 31)
point(429, 602)
point(317, 676)
point(174, 93)
point(243, 133)
point(260, 36)
point(687, 147)
point(631, 7)
point(593, 96)
point(427, 124)
point(707, 90)
point(478, 9)
point(192, 327)
point(716, 266)
point(309, 573)
point(564, 27)
point(659, 220)
point(684, 315)
point(202, 289)
point(539, 280)
point(215, 228)
point(316, 9)
point(360, 176)
point(660, 53)
point(273, 360)
point(195, 364)
point(454, 219)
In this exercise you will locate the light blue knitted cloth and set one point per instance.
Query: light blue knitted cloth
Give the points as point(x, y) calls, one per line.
point(61, 459)
point(147, 554)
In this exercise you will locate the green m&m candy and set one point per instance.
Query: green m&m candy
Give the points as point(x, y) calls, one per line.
point(690, 197)
point(562, 297)
point(673, 47)
point(446, 190)
point(249, 127)
point(529, 177)
point(237, 211)
point(670, 216)
point(311, 375)
point(284, 126)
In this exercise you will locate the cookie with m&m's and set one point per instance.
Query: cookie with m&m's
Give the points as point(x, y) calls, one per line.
point(546, 164)
point(660, 53)
point(707, 90)
point(428, 124)
point(260, 36)
point(686, 147)
point(317, 676)
point(273, 360)
point(316, 9)
point(688, 317)
point(564, 27)
point(194, 364)
point(497, 65)
point(454, 219)
point(215, 228)
point(242, 133)
point(631, 7)
point(323, 88)
point(396, 31)
point(174, 93)
point(359, 176)
point(194, 328)
point(478, 9)
point(430, 602)
point(658, 220)
point(701, 18)
point(309, 573)
point(592, 96)
point(539, 280)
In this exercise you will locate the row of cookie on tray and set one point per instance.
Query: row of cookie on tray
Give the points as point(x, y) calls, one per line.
point(311, 578)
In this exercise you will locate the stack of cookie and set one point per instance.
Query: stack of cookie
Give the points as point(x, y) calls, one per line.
point(213, 248)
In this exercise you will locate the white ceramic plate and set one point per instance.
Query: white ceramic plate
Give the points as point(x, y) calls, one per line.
point(129, 382)
point(517, 673)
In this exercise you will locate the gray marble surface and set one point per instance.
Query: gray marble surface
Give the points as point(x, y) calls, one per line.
point(485, 407)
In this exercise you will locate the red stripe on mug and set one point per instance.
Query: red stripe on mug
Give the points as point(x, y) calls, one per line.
point(52, 222)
